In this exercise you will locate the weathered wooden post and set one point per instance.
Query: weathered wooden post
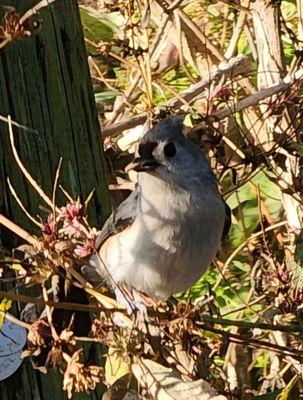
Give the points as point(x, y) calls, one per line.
point(45, 85)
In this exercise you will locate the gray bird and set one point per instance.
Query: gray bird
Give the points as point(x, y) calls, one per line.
point(162, 238)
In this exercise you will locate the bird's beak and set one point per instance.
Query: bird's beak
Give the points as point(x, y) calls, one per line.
point(142, 164)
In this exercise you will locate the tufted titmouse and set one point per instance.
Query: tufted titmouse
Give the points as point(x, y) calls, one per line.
point(162, 238)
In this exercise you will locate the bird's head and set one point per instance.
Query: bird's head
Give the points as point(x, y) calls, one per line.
point(166, 153)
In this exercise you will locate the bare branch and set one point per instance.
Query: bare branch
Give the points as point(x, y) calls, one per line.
point(255, 98)
point(18, 231)
point(237, 66)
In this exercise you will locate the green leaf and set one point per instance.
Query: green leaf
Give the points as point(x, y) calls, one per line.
point(244, 203)
point(105, 95)
point(95, 29)
point(242, 266)
point(269, 191)
point(243, 45)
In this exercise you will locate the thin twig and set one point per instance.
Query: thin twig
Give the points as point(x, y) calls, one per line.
point(116, 129)
point(55, 187)
point(165, 5)
point(18, 231)
point(245, 306)
point(122, 186)
point(101, 76)
point(251, 325)
point(174, 92)
point(66, 194)
point(232, 145)
point(249, 101)
point(4, 43)
point(86, 339)
point(237, 31)
point(255, 343)
point(17, 125)
point(60, 305)
point(15, 320)
point(26, 174)
point(21, 205)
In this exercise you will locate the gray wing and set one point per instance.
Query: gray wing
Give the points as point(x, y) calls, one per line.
point(120, 219)
point(227, 222)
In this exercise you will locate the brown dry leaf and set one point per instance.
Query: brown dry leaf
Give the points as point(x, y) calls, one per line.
point(183, 361)
point(15, 27)
point(39, 333)
point(165, 384)
point(67, 336)
point(80, 378)
point(104, 329)
point(10, 28)
point(54, 358)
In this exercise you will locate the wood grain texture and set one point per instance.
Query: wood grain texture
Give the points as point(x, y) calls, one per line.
point(45, 85)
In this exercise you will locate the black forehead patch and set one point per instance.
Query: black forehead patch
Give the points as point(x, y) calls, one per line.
point(146, 149)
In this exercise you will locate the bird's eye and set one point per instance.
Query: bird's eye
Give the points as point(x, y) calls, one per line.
point(169, 150)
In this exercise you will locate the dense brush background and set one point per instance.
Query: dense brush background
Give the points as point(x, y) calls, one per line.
point(234, 69)
point(143, 56)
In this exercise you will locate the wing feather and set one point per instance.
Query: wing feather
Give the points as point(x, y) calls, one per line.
point(121, 218)
point(227, 222)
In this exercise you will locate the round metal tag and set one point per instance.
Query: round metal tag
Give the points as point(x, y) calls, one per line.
point(12, 341)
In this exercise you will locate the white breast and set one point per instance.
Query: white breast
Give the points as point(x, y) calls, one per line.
point(171, 242)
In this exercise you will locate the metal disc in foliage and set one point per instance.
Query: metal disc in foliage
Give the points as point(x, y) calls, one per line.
point(12, 340)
